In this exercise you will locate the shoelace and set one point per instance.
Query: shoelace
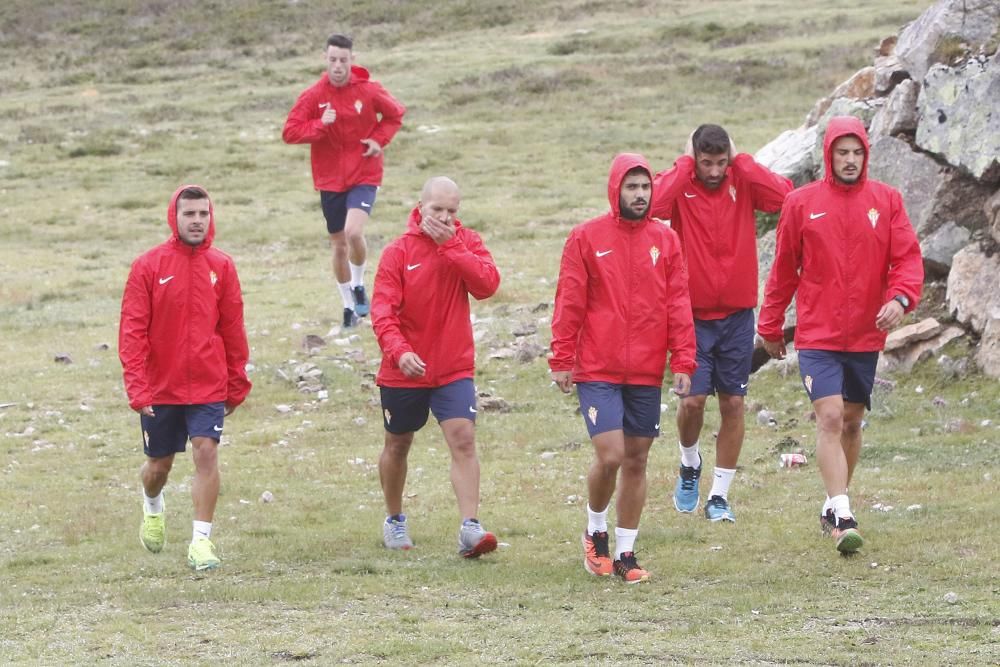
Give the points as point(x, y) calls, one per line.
point(687, 478)
point(398, 530)
point(600, 541)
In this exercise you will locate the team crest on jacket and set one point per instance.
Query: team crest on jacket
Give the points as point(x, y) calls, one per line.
point(358, 106)
point(808, 382)
point(654, 254)
point(732, 192)
point(592, 415)
point(214, 278)
point(873, 217)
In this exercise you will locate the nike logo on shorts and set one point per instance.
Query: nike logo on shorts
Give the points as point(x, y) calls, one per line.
point(472, 409)
point(217, 428)
point(366, 204)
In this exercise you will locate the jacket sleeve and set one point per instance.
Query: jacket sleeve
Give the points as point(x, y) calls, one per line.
point(668, 185)
point(680, 321)
point(387, 301)
point(783, 279)
point(303, 126)
point(391, 116)
point(767, 189)
point(906, 265)
point(133, 336)
point(570, 307)
point(234, 337)
point(467, 253)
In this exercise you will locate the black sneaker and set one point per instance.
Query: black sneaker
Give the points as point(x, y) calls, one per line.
point(628, 569)
point(361, 306)
point(350, 318)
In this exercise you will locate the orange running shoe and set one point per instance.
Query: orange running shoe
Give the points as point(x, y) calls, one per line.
point(629, 570)
point(596, 557)
point(847, 536)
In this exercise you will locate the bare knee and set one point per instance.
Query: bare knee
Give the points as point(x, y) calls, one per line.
point(830, 420)
point(731, 406)
point(206, 454)
point(635, 464)
point(397, 446)
point(692, 405)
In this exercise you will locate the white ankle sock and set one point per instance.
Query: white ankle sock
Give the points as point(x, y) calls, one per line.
point(597, 522)
point(720, 482)
point(624, 541)
point(357, 274)
point(346, 294)
point(152, 505)
point(689, 455)
point(842, 507)
point(201, 529)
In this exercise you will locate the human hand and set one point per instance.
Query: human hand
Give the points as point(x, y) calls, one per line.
point(889, 315)
point(373, 148)
point(329, 115)
point(563, 380)
point(147, 411)
point(412, 365)
point(775, 348)
point(689, 146)
point(440, 232)
point(682, 384)
point(732, 149)
point(229, 409)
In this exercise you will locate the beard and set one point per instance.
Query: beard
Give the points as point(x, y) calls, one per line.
point(630, 214)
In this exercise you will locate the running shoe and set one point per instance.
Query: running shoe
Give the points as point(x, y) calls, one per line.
point(152, 532)
point(686, 491)
point(847, 536)
point(596, 556)
point(474, 540)
point(827, 522)
point(350, 318)
point(361, 305)
point(395, 534)
point(201, 555)
point(717, 509)
point(629, 570)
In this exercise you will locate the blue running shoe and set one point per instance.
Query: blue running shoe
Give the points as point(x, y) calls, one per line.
point(717, 509)
point(361, 305)
point(686, 491)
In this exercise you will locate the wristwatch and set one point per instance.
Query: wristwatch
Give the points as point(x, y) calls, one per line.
point(903, 301)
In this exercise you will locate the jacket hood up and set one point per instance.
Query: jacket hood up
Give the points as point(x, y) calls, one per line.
point(621, 165)
point(842, 126)
point(172, 216)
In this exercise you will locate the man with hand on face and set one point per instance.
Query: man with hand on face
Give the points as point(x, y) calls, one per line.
point(184, 352)
point(621, 305)
point(847, 251)
point(710, 196)
point(420, 312)
point(347, 120)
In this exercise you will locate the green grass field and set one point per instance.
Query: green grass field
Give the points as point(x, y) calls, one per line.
point(108, 105)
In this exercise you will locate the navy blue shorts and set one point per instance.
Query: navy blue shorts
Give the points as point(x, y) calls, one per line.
point(725, 350)
point(168, 432)
point(336, 204)
point(405, 409)
point(849, 374)
point(632, 408)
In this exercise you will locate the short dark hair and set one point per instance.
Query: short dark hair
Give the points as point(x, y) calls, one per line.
point(637, 170)
point(340, 41)
point(190, 193)
point(711, 139)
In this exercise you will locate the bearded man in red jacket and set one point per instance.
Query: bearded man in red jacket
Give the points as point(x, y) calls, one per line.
point(710, 196)
point(184, 352)
point(621, 305)
point(347, 119)
point(847, 251)
point(420, 313)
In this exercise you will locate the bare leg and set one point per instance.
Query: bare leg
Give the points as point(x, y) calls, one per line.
point(632, 489)
point(205, 487)
point(354, 229)
point(392, 470)
point(154, 473)
point(609, 451)
point(731, 431)
point(690, 418)
point(460, 434)
point(833, 464)
point(850, 439)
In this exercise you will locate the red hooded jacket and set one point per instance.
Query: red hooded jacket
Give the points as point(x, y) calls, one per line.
point(622, 300)
point(844, 251)
point(421, 303)
point(718, 229)
point(365, 110)
point(181, 339)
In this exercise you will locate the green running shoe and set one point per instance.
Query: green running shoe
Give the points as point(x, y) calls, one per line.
point(201, 555)
point(152, 532)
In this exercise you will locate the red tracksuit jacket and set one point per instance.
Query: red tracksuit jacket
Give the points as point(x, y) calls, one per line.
point(622, 299)
point(421, 303)
point(365, 110)
point(844, 251)
point(181, 339)
point(718, 229)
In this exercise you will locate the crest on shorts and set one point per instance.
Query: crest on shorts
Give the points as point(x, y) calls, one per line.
point(388, 416)
point(732, 192)
point(808, 382)
point(358, 106)
point(654, 254)
point(212, 277)
point(592, 415)
point(873, 217)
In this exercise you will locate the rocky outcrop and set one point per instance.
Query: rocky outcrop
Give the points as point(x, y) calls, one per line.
point(940, 247)
point(791, 155)
point(908, 345)
point(988, 355)
point(973, 291)
point(860, 86)
point(899, 113)
point(958, 117)
point(945, 31)
point(992, 210)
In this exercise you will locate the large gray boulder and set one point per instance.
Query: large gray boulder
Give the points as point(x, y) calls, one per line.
point(946, 29)
point(899, 113)
point(992, 210)
point(988, 355)
point(939, 247)
point(959, 116)
point(791, 155)
point(973, 291)
point(860, 86)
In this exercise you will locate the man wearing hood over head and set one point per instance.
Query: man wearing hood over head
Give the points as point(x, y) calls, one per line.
point(621, 305)
point(184, 352)
point(347, 119)
point(847, 251)
point(420, 313)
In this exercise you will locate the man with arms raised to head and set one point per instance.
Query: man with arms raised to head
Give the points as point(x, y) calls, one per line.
point(184, 352)
point(847, 251)
point(621, 305)
point(710, 196)
point(420, 312)
point(347, 120)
